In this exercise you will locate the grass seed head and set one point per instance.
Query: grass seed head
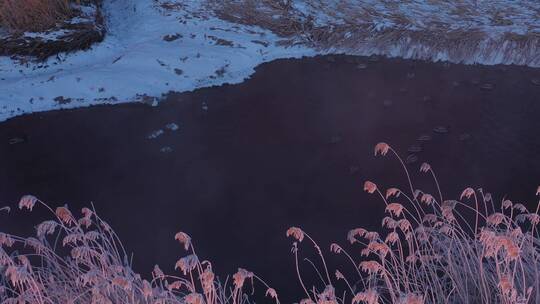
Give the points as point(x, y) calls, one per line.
point(184, 239)
point(381, 148)
point(296, 233)
point(370, 187)
point(28, 202)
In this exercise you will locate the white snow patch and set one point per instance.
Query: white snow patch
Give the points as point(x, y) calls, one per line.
point(134, 60)
point(172, 126)
point(166, 149)
point(155, 134)
point(149, 51)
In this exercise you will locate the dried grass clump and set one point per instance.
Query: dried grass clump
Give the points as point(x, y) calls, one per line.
point(459, 31)
point(68, 36)
point(435, 251)
point(33, 15)
point(277, 16)
point(35, 270)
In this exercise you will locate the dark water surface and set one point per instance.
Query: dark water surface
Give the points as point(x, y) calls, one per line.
point(291, 146)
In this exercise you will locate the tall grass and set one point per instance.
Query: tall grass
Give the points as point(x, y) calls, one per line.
point(430, 250)
point(435, 250)
point(33, 15)
point(35, 269)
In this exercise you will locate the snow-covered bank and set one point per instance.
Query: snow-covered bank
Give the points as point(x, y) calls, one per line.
point(486, 32)
point(153, 47)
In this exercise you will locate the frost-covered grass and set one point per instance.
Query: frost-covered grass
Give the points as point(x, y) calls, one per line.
point(429, 250)
point(466, 31)
point(434, 250)
point(36, 270)
point(33, 15)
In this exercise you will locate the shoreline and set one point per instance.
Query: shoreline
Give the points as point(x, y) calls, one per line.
point(67, 104)
point(154, 55)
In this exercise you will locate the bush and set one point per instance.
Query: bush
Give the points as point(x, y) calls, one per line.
point(32, 15)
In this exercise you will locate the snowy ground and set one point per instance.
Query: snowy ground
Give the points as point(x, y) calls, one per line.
point(467, 31)
point(461, 31)
point(148, 51)
point(156, 46)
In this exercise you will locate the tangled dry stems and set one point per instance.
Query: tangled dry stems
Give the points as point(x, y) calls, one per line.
point(33, 15)
point(383, 27)
point(97, 271)
point(74, 27)
point(430, 250)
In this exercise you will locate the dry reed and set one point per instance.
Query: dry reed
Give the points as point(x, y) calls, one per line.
point(460, 31)
point(33, 15)
point(97, 271)
point(430, 251)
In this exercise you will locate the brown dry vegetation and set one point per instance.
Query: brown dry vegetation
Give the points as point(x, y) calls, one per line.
point(352, 26)
point(33, 15)
point(18, 16)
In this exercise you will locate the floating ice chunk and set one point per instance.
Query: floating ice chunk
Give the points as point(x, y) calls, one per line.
point(361, 66)
point(155, 134)
point(440, 129)
point(172, 126)
point(424, 137)
point(487, 86)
